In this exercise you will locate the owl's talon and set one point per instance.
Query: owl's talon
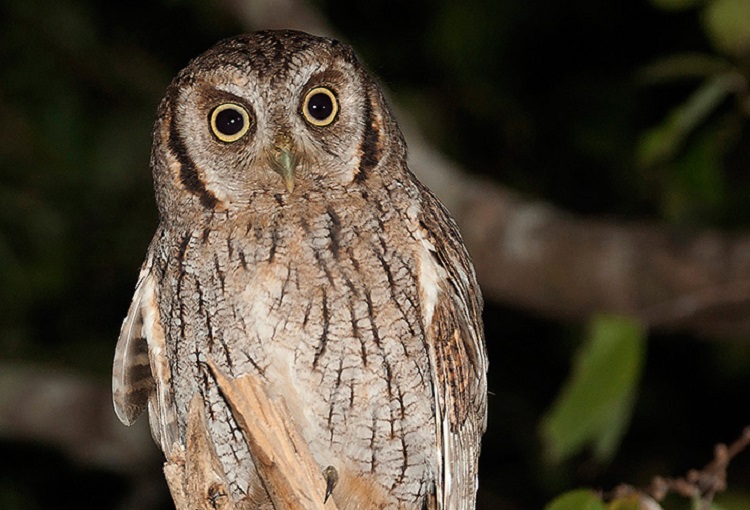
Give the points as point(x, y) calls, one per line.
point(332, 478)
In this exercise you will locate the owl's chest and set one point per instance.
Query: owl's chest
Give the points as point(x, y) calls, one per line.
point(318, 291)
point(329, 314)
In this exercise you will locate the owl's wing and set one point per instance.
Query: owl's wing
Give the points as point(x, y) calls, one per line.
point(455, 335)
point(141, 376)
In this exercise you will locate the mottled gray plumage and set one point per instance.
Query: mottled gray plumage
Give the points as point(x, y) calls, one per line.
point(343, 283)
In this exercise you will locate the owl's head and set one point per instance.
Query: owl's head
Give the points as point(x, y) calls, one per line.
point(269, 113)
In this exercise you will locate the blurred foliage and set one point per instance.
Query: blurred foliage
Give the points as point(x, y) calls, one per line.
point(579, 499)
point(625, 109)
point(595, 405)
point(691, 147)
point(583, 499)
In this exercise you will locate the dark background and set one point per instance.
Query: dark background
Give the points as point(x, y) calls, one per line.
point(546, 97)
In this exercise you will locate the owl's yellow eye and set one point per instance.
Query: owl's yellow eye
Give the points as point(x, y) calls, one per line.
point(229, 122)
point(320, 106)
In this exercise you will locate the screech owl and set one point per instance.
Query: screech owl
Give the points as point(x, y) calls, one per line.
point(295, 244)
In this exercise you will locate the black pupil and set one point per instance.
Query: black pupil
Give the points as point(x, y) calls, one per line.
point(229, 121)
point(320, 106)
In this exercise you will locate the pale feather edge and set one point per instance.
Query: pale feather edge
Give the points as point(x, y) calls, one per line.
point(122, 358)
point(161, 408)
point(430, 276)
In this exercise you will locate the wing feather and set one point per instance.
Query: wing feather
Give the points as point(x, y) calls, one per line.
point(458, 358)
point(132, 382)
point(141, 375)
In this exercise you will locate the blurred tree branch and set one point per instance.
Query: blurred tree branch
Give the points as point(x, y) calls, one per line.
point(71, 413)
point(537, 256)
point(699, 485)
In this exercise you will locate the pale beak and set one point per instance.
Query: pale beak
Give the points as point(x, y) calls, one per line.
point(285, 160)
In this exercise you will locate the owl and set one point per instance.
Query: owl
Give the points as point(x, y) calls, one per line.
point(295, 244)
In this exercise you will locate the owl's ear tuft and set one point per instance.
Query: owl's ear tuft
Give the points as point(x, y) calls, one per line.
point(346, 51)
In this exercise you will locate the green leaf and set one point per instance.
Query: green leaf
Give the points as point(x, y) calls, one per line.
point(682, 66)
point(594, 407)
point(734, 499)
point(663, 142)
point(727, 24)
point(580, 499)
